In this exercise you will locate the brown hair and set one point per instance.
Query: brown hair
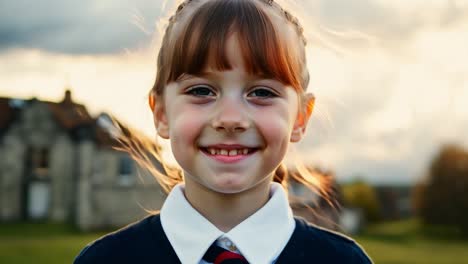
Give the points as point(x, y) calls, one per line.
point(186, 47)
point(196, 37)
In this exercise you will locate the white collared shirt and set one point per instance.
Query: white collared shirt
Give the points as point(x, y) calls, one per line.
point(260, 238)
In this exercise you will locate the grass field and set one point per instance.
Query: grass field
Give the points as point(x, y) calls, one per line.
point(388, 243)
point(408, 242)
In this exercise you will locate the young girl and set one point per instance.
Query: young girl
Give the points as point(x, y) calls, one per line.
point(230, 95)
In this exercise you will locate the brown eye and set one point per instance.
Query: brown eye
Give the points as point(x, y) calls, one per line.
point(200, 91)
point(262, 93)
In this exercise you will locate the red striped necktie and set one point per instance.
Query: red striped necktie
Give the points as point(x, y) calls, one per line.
point(218, 255)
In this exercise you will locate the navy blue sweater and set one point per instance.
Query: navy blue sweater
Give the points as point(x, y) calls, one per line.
point(146, 242)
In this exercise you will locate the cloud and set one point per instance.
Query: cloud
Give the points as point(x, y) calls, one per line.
point(388, 24)
point(77, 27)
point(103, 27)
point(383, 116)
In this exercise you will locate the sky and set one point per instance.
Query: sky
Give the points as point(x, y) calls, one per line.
point(390, 77)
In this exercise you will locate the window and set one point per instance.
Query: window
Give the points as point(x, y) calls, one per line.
point(40, 162)
point(125, 171)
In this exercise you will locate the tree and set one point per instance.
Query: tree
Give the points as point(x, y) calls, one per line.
point(361, 195)
point(444, 200)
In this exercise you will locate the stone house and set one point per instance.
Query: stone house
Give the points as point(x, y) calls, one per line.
point(57, 163)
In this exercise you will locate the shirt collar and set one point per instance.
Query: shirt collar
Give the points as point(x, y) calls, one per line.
point(260, 238)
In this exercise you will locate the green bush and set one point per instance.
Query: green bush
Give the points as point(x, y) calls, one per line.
point(361, 195)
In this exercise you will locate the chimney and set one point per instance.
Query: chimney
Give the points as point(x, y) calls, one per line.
point(67, 99)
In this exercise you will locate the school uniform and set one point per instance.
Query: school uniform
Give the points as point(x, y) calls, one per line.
point(179, 234)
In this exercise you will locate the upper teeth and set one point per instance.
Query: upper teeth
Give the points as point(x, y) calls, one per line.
point(226, 152)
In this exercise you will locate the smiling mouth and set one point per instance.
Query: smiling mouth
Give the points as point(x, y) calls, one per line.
point(228, 152)
point(228, 156)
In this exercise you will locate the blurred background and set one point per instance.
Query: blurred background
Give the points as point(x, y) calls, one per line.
point(389, 134)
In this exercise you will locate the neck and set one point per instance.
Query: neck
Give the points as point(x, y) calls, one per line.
point(226, 211)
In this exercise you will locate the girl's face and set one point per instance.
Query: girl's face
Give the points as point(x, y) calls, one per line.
point(229, 130)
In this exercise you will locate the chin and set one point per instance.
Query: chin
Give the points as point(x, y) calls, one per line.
point(229, 186)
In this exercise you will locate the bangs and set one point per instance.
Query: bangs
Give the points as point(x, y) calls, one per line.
point(264, 49)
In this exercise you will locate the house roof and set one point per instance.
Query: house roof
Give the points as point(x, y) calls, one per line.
point(73, 117)
point(67, 113)
point(7, 113)
point(70, 115)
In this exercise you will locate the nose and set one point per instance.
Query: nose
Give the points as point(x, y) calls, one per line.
point(231, 116)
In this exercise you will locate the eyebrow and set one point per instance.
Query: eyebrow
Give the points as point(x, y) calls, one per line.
point(202, 74)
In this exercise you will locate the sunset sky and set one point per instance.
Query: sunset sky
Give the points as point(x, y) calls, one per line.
point(390, 77)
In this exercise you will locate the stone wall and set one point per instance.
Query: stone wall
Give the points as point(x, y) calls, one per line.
point(63, 174)
point(34, 128)
point(104, 200)
point(11, 172)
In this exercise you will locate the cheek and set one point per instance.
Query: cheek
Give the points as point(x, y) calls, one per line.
point(275, 124)
point(185, 124)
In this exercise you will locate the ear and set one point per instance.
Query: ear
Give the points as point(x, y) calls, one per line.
point(159, 116)
point(305, 112)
